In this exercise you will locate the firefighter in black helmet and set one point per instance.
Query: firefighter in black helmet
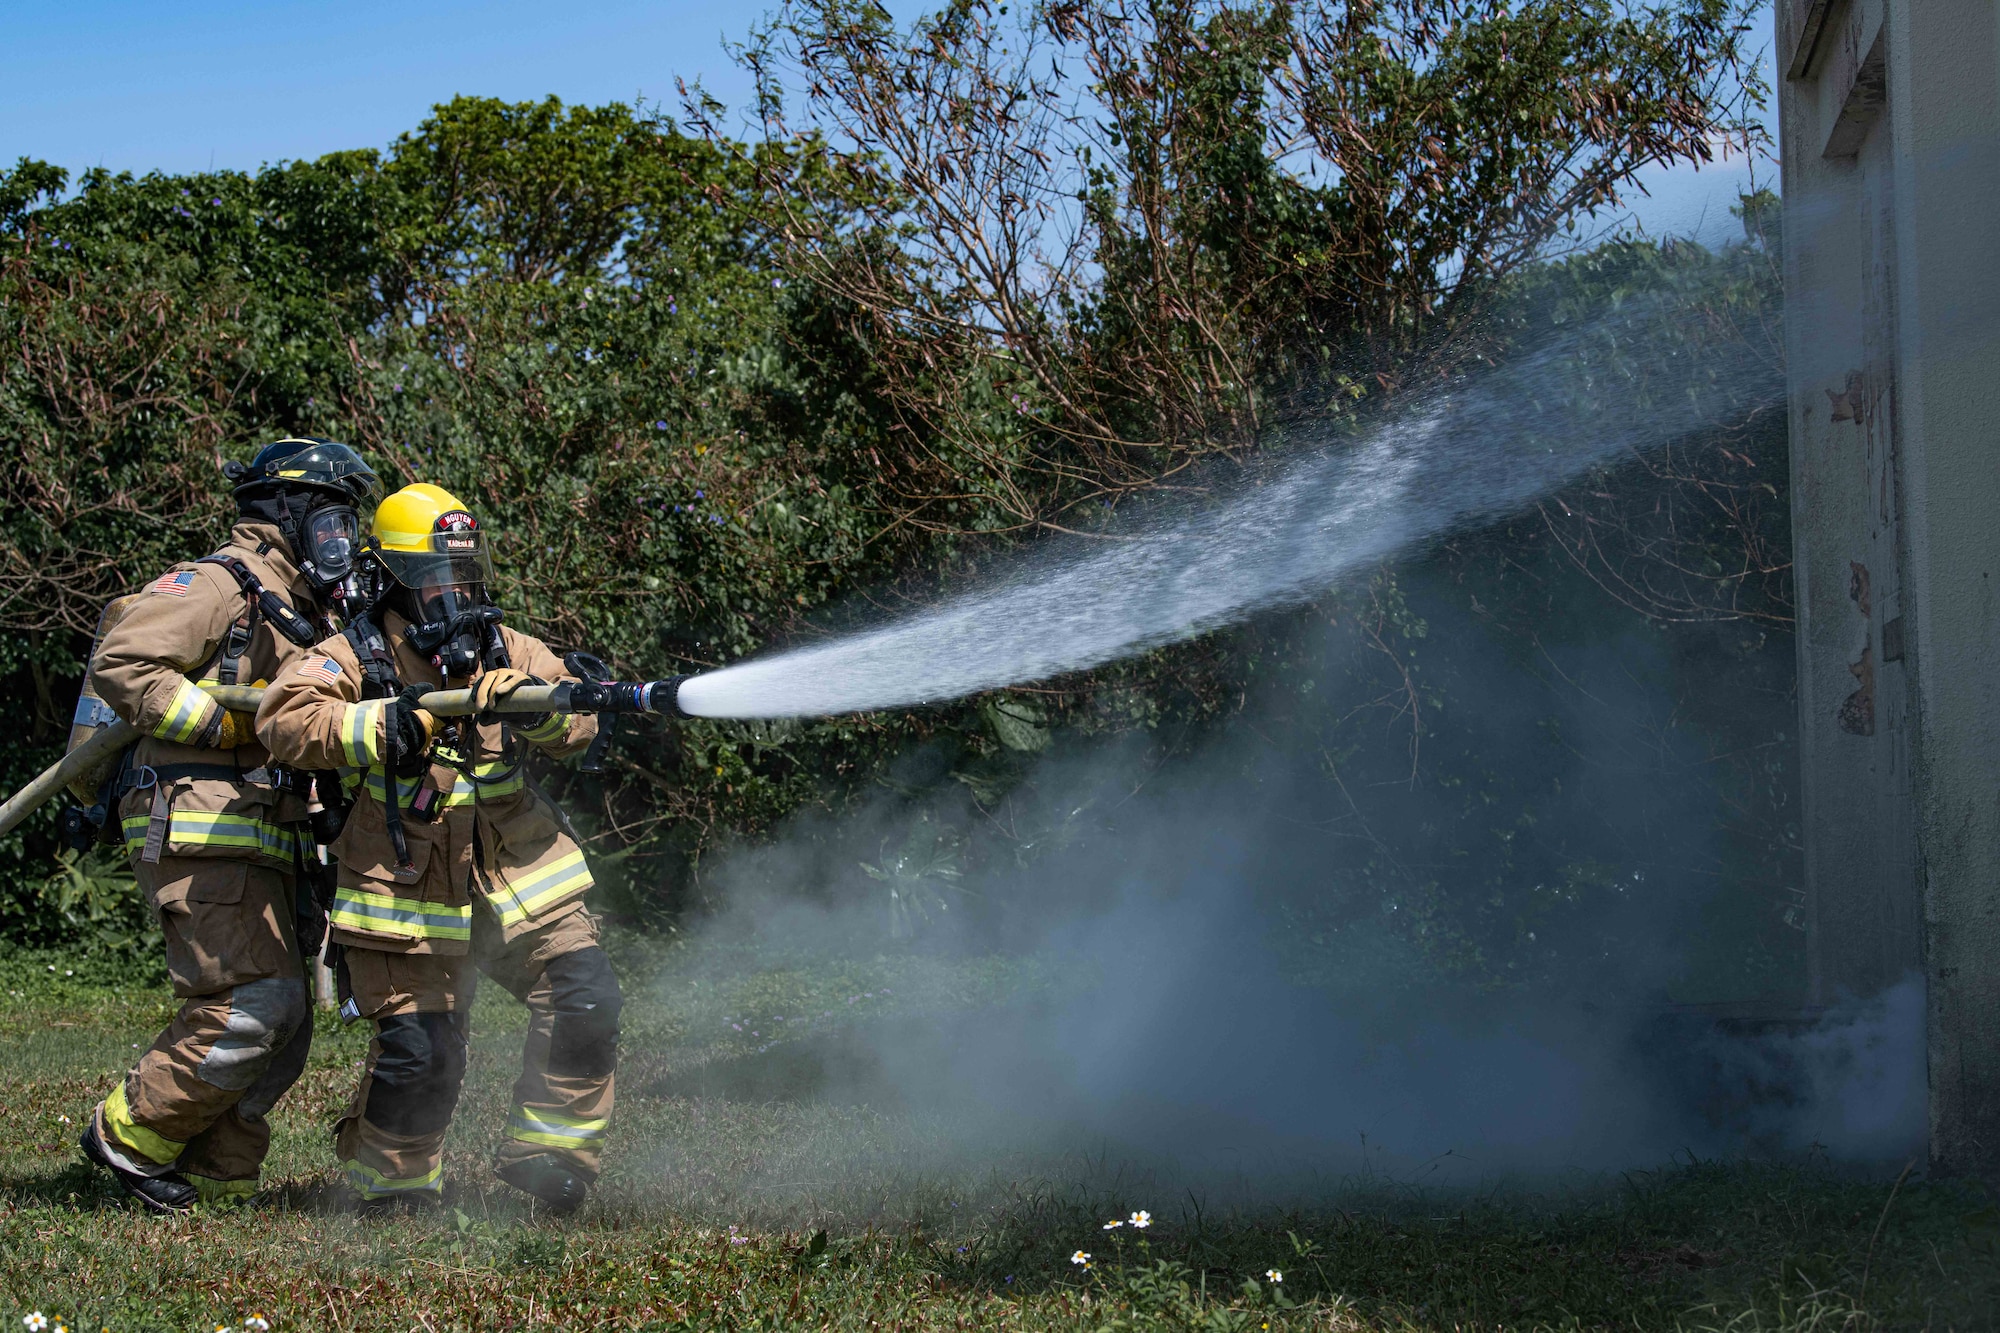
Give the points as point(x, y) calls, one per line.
point(216, 830)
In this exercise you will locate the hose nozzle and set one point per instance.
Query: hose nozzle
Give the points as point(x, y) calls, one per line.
point(620, 696)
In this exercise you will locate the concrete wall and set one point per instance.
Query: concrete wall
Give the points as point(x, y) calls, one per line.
point(1890, 125)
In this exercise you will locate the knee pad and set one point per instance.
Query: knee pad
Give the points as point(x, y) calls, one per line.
point(583, 1042)
point(418, 1069)
point(263, 1015)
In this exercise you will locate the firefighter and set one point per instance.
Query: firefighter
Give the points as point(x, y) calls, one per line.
point(450, 860)
point(215, 828)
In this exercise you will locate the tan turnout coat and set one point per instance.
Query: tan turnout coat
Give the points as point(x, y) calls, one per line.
point(148, 669)
point(496, 834)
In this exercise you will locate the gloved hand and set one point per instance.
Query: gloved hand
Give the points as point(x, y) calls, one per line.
point(233, 730)
point(497, 684)
point(414, 728)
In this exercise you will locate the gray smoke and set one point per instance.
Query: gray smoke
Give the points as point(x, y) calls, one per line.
point(1443, 461)
point(1168, 1020)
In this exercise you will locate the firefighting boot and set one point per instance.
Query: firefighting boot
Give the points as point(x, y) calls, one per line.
point(169, 1193)
point(548, 1179)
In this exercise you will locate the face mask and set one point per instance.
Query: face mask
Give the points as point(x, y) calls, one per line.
point(331, 536)
point(454, 630)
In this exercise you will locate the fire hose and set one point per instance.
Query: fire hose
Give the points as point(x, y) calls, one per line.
point(581, 696)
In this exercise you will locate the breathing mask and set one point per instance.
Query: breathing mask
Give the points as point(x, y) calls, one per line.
point(454, 627)
point(329, 538)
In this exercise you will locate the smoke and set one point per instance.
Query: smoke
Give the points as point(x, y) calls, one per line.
point(1178, 1007)
point(1481, 448)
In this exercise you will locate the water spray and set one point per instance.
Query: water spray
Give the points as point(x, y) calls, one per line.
point(1287, 531)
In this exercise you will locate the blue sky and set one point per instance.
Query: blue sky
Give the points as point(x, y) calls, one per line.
point(190, 84)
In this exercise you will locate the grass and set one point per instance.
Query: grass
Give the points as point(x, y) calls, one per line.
point(742, 1192)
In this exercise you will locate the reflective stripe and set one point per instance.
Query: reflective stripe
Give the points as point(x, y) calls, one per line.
point(372, 1184)
point(358, 909)
point(187, 715)
point(197, 828)
point(552, 729)
point(223, 1193)
point(464, 791)
point(538, 888)
point(552, 1129)
point(131, 1134)
point(359, 732)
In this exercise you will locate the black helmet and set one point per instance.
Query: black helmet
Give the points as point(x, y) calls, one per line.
point(304, 463)
point(309, 488)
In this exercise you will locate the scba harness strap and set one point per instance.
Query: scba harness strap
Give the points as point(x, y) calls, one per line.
point(258, 601)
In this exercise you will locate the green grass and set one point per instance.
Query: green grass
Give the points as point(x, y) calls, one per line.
point(735, 1196)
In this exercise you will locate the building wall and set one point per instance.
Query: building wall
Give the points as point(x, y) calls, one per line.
point(1890, 126)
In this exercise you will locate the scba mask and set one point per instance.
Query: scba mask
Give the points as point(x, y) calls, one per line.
point(329, 539)
point(454, 627)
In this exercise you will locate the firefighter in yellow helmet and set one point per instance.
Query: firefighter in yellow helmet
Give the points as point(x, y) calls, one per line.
point(450, 858)
point(216, 827)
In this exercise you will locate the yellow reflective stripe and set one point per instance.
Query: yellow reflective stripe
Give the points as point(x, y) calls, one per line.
point(464, 791)
point(556, 880)
point(196, 828)
point(372, 1184)
point(359, 734)
point(552, 1129)
point(223, 1193)
point(358, 909)
point(187, 715)
point(554, 727)
point(118, 1120)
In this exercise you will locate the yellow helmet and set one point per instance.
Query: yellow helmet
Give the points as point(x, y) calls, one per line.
point(423, 534)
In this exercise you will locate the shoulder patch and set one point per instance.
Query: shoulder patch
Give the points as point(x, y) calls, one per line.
point(175, 584)
point(323, 667)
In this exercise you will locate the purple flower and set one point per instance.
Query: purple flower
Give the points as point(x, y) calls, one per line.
point(214, 203)
point(737, 1026)
point(715, 519)
point(698, 495)
point(659, 425)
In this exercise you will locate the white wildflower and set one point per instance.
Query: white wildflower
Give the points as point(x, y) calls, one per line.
point(1081, 1257)
point(1142, 1219)
point(257, 1323)
point(35, 1322)
point(1273, 1275)
point(1114, 1224)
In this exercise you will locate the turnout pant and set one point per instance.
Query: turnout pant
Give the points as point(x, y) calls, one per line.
point(196, 1102)
point(390, 1140)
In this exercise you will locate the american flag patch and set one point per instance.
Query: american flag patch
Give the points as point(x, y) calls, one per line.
point(321, 666)
point(175, 585)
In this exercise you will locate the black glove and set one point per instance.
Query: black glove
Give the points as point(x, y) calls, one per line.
point(414, 728)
